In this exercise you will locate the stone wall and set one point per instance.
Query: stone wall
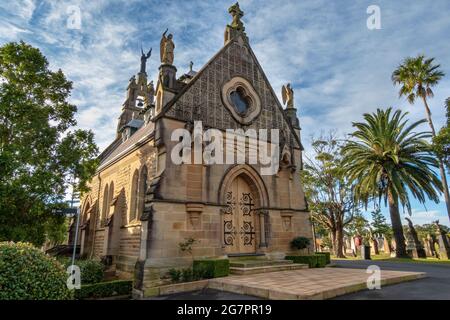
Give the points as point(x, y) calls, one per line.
point(126, 236)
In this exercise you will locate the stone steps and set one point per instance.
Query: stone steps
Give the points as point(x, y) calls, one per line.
point(252, 263)
point(267, 268)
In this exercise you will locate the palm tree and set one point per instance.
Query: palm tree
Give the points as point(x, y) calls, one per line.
point(386, 159)
point(417, 76)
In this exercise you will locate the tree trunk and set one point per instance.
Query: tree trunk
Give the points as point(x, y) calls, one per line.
point(339, 252)
point(333, 241)
point(441, 163)
point(397, 228)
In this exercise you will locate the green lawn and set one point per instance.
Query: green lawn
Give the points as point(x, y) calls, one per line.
point(382, 257)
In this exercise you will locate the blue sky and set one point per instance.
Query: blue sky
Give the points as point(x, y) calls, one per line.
point(338, 67)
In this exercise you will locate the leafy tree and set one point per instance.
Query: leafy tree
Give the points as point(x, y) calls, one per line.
point(329, 193)
point(388, 159)
point(416, 76)
point(39, 154)
point(358, 226)
point(441, 142)
point(379, 224)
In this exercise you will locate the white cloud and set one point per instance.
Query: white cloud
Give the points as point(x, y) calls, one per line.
point(420, 216)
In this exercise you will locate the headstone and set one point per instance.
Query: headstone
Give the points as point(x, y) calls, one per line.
point(444, 247)
point(386, 246)
point(374, 246)
point(414, 247)
point(427, 247)
point(394, 247)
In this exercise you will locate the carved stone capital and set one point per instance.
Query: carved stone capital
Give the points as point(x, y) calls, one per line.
point(194, 211)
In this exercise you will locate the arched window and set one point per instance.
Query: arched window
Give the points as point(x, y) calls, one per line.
point(85, 216)
point(133, 196)
point(110, 198)
point(105, 206)
point(141, 191)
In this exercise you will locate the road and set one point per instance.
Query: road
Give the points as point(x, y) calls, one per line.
point(435, 286)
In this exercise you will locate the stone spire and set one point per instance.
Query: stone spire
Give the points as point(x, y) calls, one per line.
point(140, 94)
point(236, 27)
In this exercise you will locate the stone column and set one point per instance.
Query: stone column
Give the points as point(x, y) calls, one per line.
point(83, 238)
point(262, 226)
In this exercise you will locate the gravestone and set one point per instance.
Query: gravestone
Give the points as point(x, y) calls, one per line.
point(414, 247)
point(386, 245)
point(427, 247)
point(444, 247)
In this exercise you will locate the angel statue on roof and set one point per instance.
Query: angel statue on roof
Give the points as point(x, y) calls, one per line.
point(288, 96)
point(166, 48)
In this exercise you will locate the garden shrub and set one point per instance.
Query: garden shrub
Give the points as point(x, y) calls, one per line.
point(211, 268)
point(175, 275)
point(300, 243)
point(104, 289)
point(313, 261)
point(327, 255)
point(91, 271)
point(187, 274)
point(26, 273)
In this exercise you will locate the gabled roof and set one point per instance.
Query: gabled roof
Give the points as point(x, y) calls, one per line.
point(197, 76)
point(142, 135)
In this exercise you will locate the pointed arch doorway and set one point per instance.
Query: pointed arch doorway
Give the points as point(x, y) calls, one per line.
point(239, 218)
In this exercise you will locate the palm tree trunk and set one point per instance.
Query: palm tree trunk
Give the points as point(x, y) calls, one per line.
point(441, 163)
point(397, 228)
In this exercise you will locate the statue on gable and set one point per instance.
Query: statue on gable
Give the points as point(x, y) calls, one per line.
point(144, 58)
point(288, 96)
point(167, 48)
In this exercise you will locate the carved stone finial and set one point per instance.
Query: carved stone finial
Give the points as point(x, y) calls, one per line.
point(237, 14)
point(236, 27)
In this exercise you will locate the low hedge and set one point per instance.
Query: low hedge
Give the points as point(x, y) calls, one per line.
point(313, 261)
point(326, 254)
point(104, 289)
point(211, 268)
point(91, 271)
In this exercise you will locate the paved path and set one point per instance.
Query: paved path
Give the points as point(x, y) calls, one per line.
point(318, 284)
point(435, 286)
point(321, 283)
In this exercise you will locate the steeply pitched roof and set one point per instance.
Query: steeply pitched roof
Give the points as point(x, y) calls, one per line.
point(172, 102)
point(139, 137)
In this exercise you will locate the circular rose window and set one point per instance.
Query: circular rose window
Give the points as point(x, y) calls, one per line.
point(241, 100)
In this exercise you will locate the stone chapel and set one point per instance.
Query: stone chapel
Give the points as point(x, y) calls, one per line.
point(141, 205)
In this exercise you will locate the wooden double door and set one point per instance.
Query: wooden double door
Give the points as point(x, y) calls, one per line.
point(239, 218)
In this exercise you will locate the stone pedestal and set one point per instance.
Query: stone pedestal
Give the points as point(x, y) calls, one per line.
point(168, 76)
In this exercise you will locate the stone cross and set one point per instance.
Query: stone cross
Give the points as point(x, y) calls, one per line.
point(237, 14)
